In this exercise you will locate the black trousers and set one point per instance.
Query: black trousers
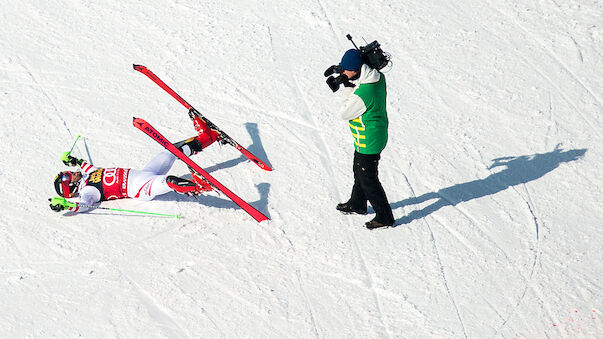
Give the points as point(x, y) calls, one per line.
point(367, 186)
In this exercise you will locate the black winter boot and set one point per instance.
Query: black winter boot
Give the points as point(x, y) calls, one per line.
point(376, 224)
point(347, 208)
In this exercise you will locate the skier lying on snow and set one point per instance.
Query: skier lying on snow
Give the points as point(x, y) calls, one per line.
point(100, 184)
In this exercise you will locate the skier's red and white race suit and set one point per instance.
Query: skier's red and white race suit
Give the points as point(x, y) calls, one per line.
point(101, 184)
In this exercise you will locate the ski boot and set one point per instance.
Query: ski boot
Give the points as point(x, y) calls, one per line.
point(187, 187)
point(190, 146)
point(206, 135)
point(202, 184)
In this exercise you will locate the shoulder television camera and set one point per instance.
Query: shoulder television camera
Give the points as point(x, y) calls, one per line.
point(372, 55)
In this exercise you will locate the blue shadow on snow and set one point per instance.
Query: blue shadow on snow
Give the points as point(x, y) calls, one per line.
point(517, 170)
point(256, 148)
point(222, 201)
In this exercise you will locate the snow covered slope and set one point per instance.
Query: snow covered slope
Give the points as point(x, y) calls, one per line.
point(493, 168)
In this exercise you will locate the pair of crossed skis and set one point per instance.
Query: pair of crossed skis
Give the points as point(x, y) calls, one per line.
point(144, 126)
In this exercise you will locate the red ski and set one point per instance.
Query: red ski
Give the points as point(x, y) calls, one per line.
point(193, 112)
point(153, 133)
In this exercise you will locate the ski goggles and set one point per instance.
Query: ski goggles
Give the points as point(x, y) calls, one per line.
point(66, 183)
point(63, 184)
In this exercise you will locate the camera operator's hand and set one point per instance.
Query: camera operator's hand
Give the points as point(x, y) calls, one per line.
point(335, 82)
point(333, 69)
point(332, 82)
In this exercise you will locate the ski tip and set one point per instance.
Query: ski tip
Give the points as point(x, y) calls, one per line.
point(257, 161)
point(263, 166)
point(138, 67)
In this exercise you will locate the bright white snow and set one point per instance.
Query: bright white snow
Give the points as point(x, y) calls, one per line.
point(493, 167)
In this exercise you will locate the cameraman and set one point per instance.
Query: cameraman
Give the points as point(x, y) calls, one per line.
point(363, 106)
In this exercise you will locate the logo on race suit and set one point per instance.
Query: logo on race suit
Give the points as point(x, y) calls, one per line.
point(115, 183)
point(124, 183)
point(96, 176)
point(110, 178)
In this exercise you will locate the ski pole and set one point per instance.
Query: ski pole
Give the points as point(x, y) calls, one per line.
point(131, 211)
point(76, 139)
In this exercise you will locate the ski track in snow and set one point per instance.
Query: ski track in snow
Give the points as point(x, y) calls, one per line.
point(529, 205)
point(528, 199)
point(537, 252)
point(563, 67)
point(157, 312)
point(334, 30)
point(328, 165)
point(553, 56)
point(44, 92)
point(186, 293)
point(440, 264)
point(308, 304)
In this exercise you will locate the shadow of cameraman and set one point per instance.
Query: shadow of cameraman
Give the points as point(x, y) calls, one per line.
point(517, 170)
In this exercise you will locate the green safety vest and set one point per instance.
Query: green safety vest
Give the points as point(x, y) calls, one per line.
point(370, 129)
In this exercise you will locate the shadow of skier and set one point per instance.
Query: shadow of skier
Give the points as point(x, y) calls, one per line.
point(517, 170)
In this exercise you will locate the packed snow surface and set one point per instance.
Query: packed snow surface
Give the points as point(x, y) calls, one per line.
point(493, 168)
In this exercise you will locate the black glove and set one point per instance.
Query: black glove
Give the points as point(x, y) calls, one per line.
point(69, 160)
point(334, 82)
point(333, 69)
